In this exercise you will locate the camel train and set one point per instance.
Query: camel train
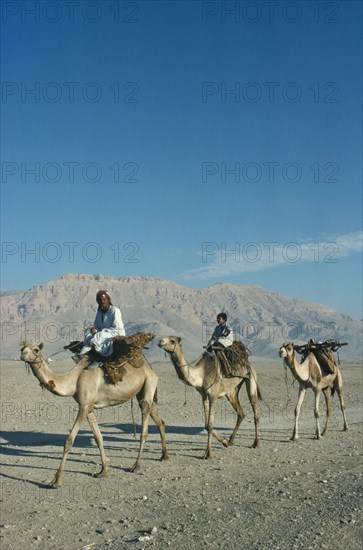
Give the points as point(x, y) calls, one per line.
point(92, 389)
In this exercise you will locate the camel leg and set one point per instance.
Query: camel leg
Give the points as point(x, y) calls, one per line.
point(161, 427)
point(327, 395)
point(252, 391)
point(316, 412)
point(234, 401)
point(209, 412)
point(209, 426)
point(145, 411)
point(295, 433)
point(82, 414)
point(92, 421)
point(338, 385)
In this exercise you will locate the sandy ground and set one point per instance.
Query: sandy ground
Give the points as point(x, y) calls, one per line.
point(283, 495)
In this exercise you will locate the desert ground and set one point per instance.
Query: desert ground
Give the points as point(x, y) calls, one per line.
point(283, 495)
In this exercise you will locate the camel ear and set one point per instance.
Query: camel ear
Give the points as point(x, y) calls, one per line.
point(41, 345)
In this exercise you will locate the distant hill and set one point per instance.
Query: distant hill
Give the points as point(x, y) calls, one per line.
point(60, 310)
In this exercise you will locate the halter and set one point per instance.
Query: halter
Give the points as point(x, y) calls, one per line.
point(34, 364)
point(173, 351)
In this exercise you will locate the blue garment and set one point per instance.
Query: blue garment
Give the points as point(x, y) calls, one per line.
point(223, 334)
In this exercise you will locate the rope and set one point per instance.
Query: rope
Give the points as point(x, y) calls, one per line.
point(56, 353)
point(133, 417)
point(288, 399)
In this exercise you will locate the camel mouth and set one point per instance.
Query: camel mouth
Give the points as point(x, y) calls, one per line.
point(162, 343)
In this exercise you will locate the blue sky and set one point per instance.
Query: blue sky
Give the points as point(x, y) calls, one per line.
point(200, 142)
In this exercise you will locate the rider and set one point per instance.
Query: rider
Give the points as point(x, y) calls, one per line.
point(107, 324)
point(222, 336)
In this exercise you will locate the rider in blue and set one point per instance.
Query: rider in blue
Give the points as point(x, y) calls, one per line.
point(222, 336)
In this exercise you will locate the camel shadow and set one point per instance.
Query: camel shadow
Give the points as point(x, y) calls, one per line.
point(26, 445)
point(19, 439)
point(178, 430)
point(26, 482)
point(83, 440)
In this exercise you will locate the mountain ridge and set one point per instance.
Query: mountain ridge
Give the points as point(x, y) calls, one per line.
point(60, 310)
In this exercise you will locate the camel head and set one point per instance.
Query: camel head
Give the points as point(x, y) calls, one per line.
point(31, 353)
point(170, 343)
point(287, 350)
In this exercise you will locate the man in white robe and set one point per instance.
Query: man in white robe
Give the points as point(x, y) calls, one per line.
point(107, 324)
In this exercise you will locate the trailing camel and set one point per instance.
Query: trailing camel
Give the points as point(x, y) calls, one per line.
point(310, 374)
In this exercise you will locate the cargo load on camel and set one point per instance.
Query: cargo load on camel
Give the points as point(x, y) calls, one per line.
point(126, 349)
point(233, 359)
point(323, 352)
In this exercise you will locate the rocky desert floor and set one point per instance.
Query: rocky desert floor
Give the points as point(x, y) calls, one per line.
point(283, 495)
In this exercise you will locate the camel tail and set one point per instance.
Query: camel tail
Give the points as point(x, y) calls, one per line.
point(254, 376)
point(259, 394)
point(241, 384)
point(155, 398)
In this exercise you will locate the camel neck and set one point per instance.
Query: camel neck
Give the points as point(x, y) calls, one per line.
point(59, 384)
point(190, 375)
point(299, 370)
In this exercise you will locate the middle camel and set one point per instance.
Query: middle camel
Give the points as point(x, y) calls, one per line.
point(206, 377)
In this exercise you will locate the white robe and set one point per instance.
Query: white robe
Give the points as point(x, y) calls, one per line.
point(108, 324)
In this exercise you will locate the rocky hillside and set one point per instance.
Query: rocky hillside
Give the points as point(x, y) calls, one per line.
point(60, 311)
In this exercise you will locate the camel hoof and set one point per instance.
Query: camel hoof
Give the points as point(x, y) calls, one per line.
point(164, 456)
point(226, 443)
point(135, 467)
point(255, 445)
point(294, 438)
point(102, 473)
point(55, 484)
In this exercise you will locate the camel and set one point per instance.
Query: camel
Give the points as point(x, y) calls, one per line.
point(207, 379)
point(92, 390)
point(310, 375)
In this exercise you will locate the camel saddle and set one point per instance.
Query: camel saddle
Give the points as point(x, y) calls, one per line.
point(233, 359)
point(126, 349)
point(326, 360)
